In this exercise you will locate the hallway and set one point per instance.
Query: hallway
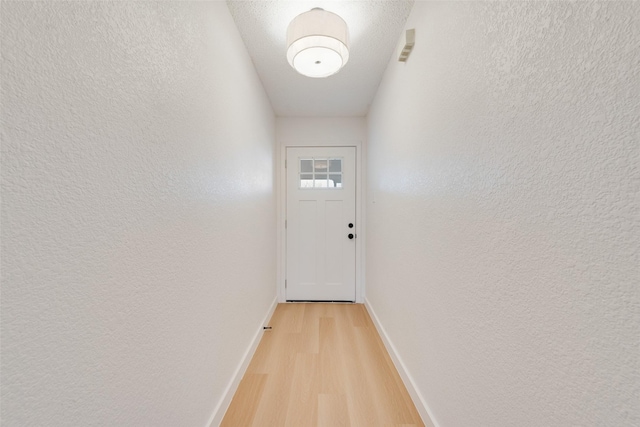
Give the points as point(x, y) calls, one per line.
point(322, 365)
point(144, 221)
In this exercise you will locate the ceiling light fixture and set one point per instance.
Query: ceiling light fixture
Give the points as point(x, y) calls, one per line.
point(317, 43)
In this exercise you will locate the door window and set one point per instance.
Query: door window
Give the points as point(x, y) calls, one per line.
point(323, 173)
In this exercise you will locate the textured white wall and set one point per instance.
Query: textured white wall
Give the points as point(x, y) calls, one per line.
point(138, 211)
point(320, 130)
point(503, 212)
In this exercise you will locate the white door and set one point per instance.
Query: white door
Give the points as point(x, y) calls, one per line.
point(320, 224)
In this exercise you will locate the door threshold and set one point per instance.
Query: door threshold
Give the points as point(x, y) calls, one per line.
point(321, 301)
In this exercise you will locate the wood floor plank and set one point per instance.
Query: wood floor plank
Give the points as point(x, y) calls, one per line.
point(321, 365)
point(245, 402)
point(333, 411)
point(359, 316)
point(272, 409)
point(303, 399)
point(289, 318)
point(331, 369)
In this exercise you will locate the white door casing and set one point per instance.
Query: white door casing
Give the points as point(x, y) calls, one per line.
point(320, 205)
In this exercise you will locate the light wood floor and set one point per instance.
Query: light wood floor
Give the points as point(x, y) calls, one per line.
point(321, 365)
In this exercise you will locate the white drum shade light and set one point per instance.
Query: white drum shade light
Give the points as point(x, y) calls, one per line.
point(317, 43)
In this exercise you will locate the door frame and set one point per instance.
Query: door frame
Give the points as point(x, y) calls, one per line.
point(281, 192)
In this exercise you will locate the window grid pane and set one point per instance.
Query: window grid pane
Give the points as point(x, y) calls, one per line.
point(335, 165)
point(324, 173)
point(306, 165)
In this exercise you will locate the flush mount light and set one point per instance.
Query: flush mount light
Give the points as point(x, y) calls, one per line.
point(317, 43)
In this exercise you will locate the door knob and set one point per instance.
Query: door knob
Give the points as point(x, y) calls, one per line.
point(350, 236)
point(350, 225)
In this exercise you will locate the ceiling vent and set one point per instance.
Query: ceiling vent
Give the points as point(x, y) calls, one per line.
point(409, 41)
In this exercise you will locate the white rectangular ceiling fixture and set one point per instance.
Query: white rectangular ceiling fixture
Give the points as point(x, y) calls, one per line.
point(409, 41)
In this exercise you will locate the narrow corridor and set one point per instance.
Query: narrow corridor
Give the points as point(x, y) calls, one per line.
point(321, 365)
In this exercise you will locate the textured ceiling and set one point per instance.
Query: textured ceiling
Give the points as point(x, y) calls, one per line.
point(375, 27)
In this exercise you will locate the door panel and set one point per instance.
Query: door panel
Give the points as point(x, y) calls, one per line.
point(321, 193)
point(334, 235)
point(307, 241)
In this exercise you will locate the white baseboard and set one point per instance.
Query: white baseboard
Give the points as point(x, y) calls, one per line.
point(225, 401)
point(407, 379)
